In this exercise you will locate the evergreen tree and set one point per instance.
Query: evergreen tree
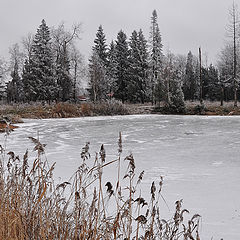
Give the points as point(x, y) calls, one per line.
point(137, 89)
point(38, 77)
point(156, 55)
point(63, 76)
point(190, 84)
point(100, 47)
point(111, 69)
point(15, 86)
point(173, 93)
point(214, 86)
point(98, 64)
point(122, 67)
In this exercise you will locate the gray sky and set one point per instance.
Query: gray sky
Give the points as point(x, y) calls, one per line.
point(184, 24)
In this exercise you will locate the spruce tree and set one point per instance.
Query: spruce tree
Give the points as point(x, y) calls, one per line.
point(100, 47)
point(111, 69)
point(190, 84)
point(138, 67)
point(63, 76)
point(122, 67)
point(99, 87)
point(38, 77)
point(156, 55)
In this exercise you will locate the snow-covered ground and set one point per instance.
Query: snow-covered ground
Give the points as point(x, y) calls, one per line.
point(199, 158)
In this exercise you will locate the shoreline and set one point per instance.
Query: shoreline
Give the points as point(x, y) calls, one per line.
point(15, 113)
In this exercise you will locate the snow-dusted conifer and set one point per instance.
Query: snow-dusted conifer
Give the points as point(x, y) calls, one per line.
point(137, 89)
point(122, 67)
point(156, 55)
point(111, 69)
point(38, 77)
point(98, 64)
point(190, 83)
point(100, 47)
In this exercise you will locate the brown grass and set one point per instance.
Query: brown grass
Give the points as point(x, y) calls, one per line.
point(33, 207)
point(63, 110)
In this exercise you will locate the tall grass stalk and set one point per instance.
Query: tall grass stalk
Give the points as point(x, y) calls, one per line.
point(32, 206)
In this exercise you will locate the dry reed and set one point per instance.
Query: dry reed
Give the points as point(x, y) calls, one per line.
point(33, 207)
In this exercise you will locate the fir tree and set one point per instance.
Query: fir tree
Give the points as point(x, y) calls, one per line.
point(122, 67)
point(190, 83)
point(99, 86)
point(138, 67)
point(111, 69)
point(156, 55)
point(38, 77)
point(100, 47)
point(64, 80)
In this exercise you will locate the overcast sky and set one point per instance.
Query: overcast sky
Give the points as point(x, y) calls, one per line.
point(184, 24)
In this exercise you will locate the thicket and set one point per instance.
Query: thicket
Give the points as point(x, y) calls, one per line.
point(32, 206)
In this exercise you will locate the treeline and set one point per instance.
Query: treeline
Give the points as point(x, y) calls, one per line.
point(136, 70)
point(133, 69)
point(48, 68)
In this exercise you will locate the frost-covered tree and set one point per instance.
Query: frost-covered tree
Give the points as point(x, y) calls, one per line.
point(97, 78)
point(233, 32)
point(38, 76)
point(64, 48)
point(156, 55)
point(214, 86)
point(190, 83)
point(111, 69)
point(137, 87)
point(122, 67)
point(100, 46)
point(99, 87)
point(225, 69)
point(173, 94)
point(15, 86)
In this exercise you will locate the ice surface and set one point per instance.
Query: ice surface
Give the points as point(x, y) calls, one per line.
point(199, 158)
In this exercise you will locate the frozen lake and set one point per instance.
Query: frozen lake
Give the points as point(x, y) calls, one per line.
point(199, 158)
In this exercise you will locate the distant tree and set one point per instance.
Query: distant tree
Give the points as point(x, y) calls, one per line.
point(233, 32)
point(156, 55)
point(190, 83)
point(137, 88)
point(98, 64)
point(3, 73)
point(100, 46)
point(171, 78)
point(78, 71)
point(15, 87)
point(97, 78)
point(225, 69)
point(111, 69)
point(38, 75)
point(122, 67)
point(214, 85)
point(64, 48)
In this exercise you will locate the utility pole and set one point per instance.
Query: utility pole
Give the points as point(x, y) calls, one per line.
point(200, 76)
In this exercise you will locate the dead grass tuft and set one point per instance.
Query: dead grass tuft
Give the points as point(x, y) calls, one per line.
point(84, 207)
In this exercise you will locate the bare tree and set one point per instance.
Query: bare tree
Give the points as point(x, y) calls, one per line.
point(233, 33)
point(27, 43)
